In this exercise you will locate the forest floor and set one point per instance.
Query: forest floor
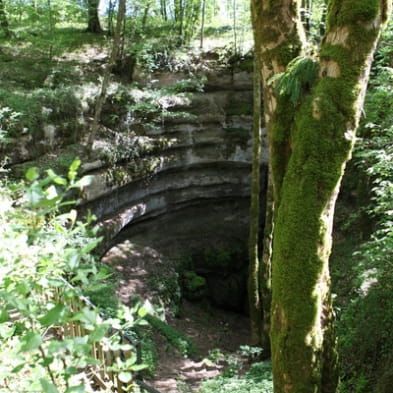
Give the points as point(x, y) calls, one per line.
point(212, 330)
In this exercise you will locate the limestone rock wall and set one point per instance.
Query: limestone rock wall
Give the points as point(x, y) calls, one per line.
point(197, 194)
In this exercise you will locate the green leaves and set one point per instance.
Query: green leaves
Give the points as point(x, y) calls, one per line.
point(32, 174)
point(42, 252)
point(48, 387)
point(297, 78)
point(31, 341)
point(53, 316)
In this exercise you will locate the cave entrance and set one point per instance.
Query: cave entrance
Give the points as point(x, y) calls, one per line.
point(216, 274)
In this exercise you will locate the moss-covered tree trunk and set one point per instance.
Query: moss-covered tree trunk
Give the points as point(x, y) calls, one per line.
point(311, 141)
point(93, 20)
point(269, 52)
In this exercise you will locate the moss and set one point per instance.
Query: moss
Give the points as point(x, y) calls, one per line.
point(352, 12)
point(284, 52)
point(194, 282)
point(195, 286)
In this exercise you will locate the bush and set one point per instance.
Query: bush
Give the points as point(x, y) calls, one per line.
point(42, 252)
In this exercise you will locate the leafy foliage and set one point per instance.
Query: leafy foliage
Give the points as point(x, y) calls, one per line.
point(296, 79)
point(366, 322)
point(180, 341)
point(43, 249)
point(257, 380)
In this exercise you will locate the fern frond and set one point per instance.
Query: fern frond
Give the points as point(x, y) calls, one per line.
point(299, 75)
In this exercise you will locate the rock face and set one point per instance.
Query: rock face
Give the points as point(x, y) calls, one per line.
point(197, 194)
point(172, 172)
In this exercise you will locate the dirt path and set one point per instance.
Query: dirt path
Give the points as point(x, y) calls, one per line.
point(210, 328)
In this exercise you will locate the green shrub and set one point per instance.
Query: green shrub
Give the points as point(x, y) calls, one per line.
point(194, 286)
point(180, 341)
point(366, 322)
point(42, 252)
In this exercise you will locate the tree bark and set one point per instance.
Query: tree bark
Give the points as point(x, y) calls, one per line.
point(93, 20)
point(310, 143)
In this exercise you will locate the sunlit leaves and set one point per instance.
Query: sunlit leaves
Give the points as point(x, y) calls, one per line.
point(54, 315)
point(48, 387)
point(31, 341)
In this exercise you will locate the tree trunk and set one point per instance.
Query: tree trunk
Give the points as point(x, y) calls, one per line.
point(145, 15)
point(93, 21)
point(105, 81)
point(203, 23)
point(254, 284)
point(164, 13)
point(179, 18)
point(308, 160)
point(111, 8)
point(4, 21)
point(265, 270)
point(234, 27)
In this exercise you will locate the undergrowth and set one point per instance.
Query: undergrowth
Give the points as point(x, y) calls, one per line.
point(176, 338)
point(258, 379)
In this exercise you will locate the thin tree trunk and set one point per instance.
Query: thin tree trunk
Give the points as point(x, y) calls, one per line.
point(265, 270)
point(254, 284)
point(179, 17)
point(105, 81)
point(111, 8)
point(234, 27)
point(4, 21)
point(145, 14)
point(271, 63)
point(164, 13)
point(203, 23)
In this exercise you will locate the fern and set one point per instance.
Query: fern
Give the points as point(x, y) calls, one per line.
point(299, 75)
